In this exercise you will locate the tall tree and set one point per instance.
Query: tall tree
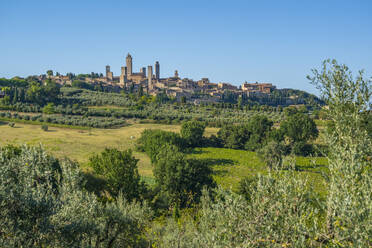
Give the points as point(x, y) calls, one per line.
point(349, 201)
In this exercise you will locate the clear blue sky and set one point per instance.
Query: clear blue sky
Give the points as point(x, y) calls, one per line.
point(226, 41)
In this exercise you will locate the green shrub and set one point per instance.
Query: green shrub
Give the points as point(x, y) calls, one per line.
point(302, 149)
point(179, 178)
point(251, 136)
point(42, 205)
point(49, 109)
point(119, 169)
point(280, 211)
point(299, 127)
point(272, 154)
point(192, 132)
point(151, 142)
point(44, 127)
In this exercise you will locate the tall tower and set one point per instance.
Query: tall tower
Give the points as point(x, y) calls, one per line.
point(143, 71)
point(157, 70)
point(123, 76)
point(109, 74)
point(129, 64)
point(150, 86)
point(107, 70)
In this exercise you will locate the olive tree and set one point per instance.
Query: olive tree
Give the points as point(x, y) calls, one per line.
point(349, 201)
point(272, 154)
point(43, 204)
point(279, 212)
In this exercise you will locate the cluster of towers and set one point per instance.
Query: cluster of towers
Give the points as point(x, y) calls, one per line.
point(127, 76)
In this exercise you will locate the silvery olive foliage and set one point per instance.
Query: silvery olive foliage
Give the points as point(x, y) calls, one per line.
point(281, 212)
point(43, 204)
point(349, 201)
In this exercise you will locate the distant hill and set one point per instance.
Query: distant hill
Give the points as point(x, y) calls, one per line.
point(286, 97)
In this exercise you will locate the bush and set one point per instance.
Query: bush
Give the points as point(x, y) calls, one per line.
point(251, 136)
point(151, 141)
point(179, 178)
point(42, 205)
point(272, 154)
point(192, 132)
point(302, 149)
point(279, 213)
point(212, 141)
point(44, 127)
point(299, 127)
point(49, 109)
point(119, 168)
point(247, 187)
point(234, 136)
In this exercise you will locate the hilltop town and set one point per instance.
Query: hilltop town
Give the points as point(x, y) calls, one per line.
point(148, 79)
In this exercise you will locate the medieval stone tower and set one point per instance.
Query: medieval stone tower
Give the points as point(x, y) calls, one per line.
point(129, 64)
point(157, 70)
point(149, 78)
point(109, 74)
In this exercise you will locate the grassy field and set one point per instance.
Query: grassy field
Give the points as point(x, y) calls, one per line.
point(79, 144)
point(230, 166)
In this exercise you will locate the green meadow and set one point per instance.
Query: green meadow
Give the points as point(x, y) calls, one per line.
point(229, 165)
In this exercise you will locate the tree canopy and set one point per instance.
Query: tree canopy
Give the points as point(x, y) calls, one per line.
point(119, 168)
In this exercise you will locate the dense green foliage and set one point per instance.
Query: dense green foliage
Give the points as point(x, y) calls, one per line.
point(43, 204)
point(299, 128)
point(44, 127)
point(15, 82)
point(349, 203)
point(82, 85)
point(179, 179)
point(71, 120)
point(251, 136)
point(192, 132)
point(272, 154)
point(152, 141)
point(119, 169)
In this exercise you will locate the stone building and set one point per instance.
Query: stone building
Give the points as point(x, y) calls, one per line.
point(226, 86)
point(109, 74)
point(262, 87)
